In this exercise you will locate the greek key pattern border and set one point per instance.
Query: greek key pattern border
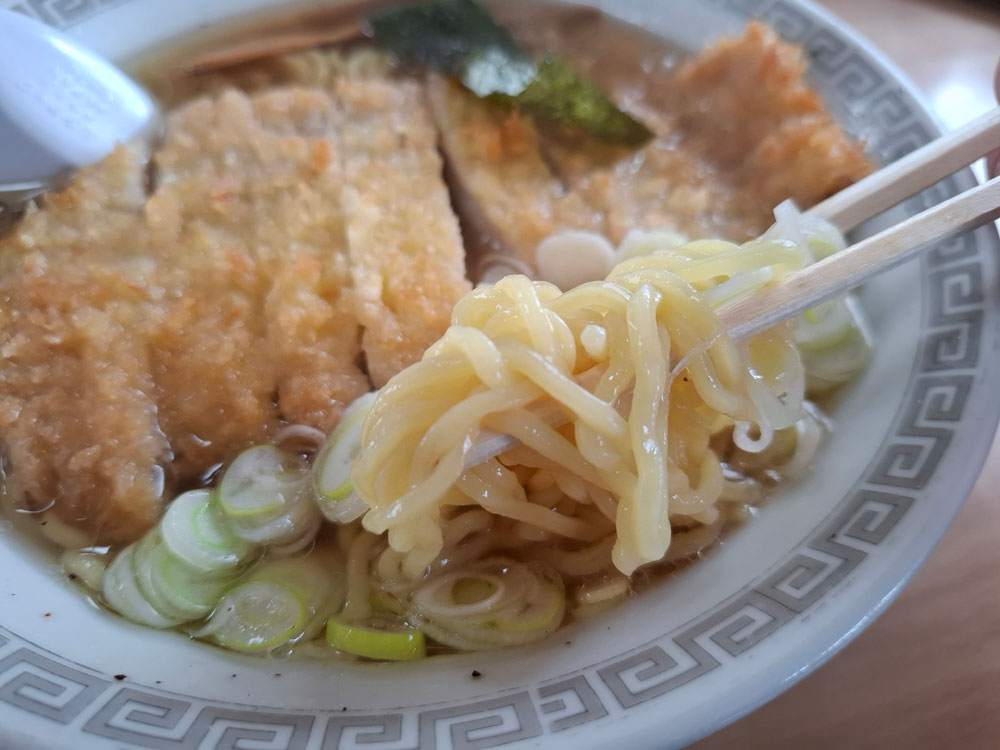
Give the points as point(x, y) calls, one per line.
point(948, 359)
point(64, 13)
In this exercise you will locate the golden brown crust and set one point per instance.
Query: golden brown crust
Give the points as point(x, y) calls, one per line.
point(143, 334)
point(406, 256)
point(745, 104)
point(76, 413)
point(738, 130)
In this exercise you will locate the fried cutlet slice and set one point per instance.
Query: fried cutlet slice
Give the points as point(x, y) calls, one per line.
point(78, 417)
point(250, 190)
point(745, 103)
point(508, 195)
point(313, 327)
point(63, 223)
point(146, 340)
point(738, 130)
point(406, 259)
point(405, 249)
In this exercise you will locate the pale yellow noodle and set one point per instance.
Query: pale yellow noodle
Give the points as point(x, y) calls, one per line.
point(609, 438)
point(464, 419)
point(580, 562)
point(645, 514)
point(492, 485)
point(357, 606)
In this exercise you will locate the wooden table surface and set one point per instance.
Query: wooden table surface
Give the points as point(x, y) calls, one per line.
point(926, 674)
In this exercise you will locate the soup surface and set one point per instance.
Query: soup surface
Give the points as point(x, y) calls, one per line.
point(298, 238)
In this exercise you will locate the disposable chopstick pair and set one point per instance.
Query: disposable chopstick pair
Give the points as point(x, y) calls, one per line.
point(869, 257)
point(867, 198)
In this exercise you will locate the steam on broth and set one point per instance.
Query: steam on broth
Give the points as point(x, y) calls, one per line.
point(192, 333)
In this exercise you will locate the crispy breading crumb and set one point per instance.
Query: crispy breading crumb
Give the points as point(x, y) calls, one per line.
point(738, 130)
point(146, 339)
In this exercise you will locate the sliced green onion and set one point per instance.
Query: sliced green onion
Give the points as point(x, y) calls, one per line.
point(824, 327)
point(332, 470)
point(142, 571)
point(121, 593)
point(172, 587)
point(258, 616)
point(835, 344)
point(493, 603)
point(313, 577)
point(260, 481)
point(299, 519)
point(266, 498)
point(403, 644)
point(301, 537)
point(195, 532)
point(538, 614)
point(286, 599)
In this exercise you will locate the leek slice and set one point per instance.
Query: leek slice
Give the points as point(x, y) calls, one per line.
point(121, 593)
point(195, 532)
point(283, 600)
point(493, 603)
point(142, 571)
point(540, 613)
point(300, 520)
point(403, 644)
point(260, 481)
point(332, 471)
point(835, 344)
point(257, 616)
point(265, 497)
point(173, 587)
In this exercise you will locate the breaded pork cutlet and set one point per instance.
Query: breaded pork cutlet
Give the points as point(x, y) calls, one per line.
point(145, 339)
point(406, 255)
point(407, 260)
point(260, 332)
point(78, 414)
point(737, 131)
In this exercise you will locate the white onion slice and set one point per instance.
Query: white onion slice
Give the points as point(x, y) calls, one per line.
point(195, 532)
point(332, 470)
point(572, 257)
point(122, 594)
point(260, 482)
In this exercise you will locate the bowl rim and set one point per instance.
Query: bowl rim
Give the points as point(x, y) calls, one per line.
point(786, 14)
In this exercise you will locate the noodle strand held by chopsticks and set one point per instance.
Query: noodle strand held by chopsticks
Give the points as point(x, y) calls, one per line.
point(617, 431)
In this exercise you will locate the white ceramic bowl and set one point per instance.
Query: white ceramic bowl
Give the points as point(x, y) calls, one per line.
point(782, 595)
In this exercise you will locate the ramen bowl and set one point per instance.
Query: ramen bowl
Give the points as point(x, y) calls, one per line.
point(776, 599)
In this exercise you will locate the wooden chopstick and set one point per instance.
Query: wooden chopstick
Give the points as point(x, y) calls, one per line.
point(843, 271)
point(271, 46)
point(338, 24)
point(910, 174)
point(869, 257)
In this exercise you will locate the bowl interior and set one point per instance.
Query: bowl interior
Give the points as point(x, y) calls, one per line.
point(702, 648)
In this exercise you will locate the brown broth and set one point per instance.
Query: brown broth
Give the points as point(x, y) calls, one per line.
point(634, 66)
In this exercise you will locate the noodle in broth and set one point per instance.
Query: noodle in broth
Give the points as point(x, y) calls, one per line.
point(614, 442)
